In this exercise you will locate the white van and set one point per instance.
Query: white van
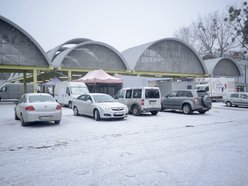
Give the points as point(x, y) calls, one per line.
point(140, 99)
point(14, 90)
point(66, 91)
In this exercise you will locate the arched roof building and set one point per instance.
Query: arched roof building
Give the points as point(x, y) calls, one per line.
point(223, 67)
point(18, 48)
point(87, 54)
point(168, 56)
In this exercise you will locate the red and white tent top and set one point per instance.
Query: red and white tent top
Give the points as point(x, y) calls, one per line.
point(99, 76)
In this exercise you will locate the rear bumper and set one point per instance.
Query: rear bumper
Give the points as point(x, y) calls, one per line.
point(151, 109)
point(44, 116)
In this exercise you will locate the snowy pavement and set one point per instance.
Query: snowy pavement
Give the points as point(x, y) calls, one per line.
point(168, 149)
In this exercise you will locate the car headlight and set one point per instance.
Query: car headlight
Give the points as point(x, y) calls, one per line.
point(106, 108)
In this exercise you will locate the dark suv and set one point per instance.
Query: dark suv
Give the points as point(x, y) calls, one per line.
point(187, 101)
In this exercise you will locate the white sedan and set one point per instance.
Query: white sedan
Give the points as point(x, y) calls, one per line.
point(37, 107)
point(99, 106)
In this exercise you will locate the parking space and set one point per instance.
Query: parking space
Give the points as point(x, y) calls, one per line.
point(141, 150)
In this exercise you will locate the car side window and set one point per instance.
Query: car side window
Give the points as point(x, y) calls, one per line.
point(244, 96)
point(173, 94)
point(88, 98)
point(120, 94)
point(82, 97)
point(137, 93)
point(23, 99)
point(68, 91)
point(129, 93)
point(181, 94)
point(188, 94)
point(236, 95)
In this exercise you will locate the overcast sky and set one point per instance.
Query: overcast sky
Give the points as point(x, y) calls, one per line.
point(119, 23)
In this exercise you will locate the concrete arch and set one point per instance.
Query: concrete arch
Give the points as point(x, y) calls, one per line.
point(91, 55)
point(18, 47)
point(60, 48)
point(224, 66)
point(170, 56)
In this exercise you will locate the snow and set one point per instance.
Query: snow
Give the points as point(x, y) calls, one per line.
point(168, 149)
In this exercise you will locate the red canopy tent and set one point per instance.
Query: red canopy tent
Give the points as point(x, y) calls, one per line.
point(99, 76)
point(102, 82)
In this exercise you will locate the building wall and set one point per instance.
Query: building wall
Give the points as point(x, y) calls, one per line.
point(169, 56)
point(17, 49)
point(93, 56)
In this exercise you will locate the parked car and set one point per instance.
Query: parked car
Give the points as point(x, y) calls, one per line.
point(140, 99)
point(33, 107)
point(239, 99)
point(99, 106)
point(66, 91)
point(187, 101)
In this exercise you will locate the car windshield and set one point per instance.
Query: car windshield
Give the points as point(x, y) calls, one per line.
point(41, 98)
point(79, 90)
point(103, 98)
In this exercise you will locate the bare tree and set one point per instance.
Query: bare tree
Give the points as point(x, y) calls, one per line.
point(211, 35)
point(238, 20)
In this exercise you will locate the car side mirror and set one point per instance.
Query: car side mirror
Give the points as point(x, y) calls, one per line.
point(89, 101)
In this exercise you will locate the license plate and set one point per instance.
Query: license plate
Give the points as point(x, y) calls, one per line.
point(119, 113)
point(45, 118)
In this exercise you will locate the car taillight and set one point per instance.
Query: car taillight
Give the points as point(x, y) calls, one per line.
point(29, 108)
point(197, 101)
point(58, 107)
point(142, 102)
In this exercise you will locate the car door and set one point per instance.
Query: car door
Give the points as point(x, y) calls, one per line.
point(88, 105)
point(79, 103)
point(244, 99)
point(235, 98)
point(168, 101)
point(20, 107)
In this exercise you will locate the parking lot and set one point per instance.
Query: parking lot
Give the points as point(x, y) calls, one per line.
point(168, 149)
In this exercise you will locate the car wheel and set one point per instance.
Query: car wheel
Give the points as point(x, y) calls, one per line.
point(24, 124)
point(135, 110)
point(154, 113)
point(97, 115)
point(228, 104)
point(187, 109)
point(70, 104)
point(16, 118)
point(75, 111)
point(57, 122)
point(202, 111)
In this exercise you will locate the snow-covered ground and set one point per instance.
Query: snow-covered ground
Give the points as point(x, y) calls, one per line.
point(168, 149)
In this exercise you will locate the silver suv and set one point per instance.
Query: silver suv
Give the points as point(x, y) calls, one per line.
point(187, 101)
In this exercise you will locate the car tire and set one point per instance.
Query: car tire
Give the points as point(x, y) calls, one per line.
point(202, 111)
point(228, 104)
point(75, 111)
point(97, 115)
point(70, 104)
point(57, 122)
point(187, 109)
point(135, 110)
point(16, 118)
point(154, 113)
point(24, 124)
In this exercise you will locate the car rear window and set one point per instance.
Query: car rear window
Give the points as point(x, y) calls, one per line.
point(152, 93)
point(41, 98)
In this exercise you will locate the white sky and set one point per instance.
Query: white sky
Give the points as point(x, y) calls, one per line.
point(119, 23)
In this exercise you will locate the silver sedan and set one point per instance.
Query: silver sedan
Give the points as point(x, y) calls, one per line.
point(99, 106)
point(37, 107)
